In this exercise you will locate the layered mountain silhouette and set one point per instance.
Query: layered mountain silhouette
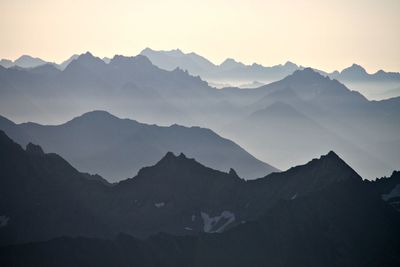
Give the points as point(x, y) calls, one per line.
point(363, 132)
point(24, 61)
point(378, 85)
point(229, 71)
point(235, 73)
point(98, 142)
point(312, 112)
point(321, 214)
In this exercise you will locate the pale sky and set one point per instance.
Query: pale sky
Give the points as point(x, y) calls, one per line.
point(330, 34)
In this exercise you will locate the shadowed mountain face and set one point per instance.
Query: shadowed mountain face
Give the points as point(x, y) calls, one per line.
point(321, 214)
point(363, 132)
point(98, 142)
point(177, 195)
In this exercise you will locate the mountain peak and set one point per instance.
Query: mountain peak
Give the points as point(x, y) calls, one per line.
point(171, 158)
point(147, 50)
point(331, 155)
point(95, 115)
point(331, 162)
point(355, 68)
point(230, 63)
point(34, 149)
point(139, 59)
point(87, 61)
point(233, 173)
point(26, 61)
point(290, 64)
point(87, 57)
point(306, 75)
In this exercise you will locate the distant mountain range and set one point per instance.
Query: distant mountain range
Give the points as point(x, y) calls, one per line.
point(98, 142)
point(233, 71)
point(361, 131)
point(321, 214)
point(313, 113)
point(229, 70)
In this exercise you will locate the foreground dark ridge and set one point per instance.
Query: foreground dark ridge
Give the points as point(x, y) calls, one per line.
point(177, 195)
point(318, 214)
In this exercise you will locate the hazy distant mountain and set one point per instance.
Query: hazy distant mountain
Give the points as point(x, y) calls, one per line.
point(308, 213)
point(170, 60)
point(24, 61)
point(106, 59)
point(312, 112)
point(98, 142)
point(66, 62)
point(27, 61)
point(6, 63)
point(356, 73)
point(134, 87)
point(228, 71)
point(126, 83)
point(253, 84)
point(374, 86)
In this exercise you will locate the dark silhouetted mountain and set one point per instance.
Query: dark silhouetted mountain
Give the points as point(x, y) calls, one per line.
point(44, 195)
point(47, 197)
point(98, 142)
point(319, 214)
point(388, 188)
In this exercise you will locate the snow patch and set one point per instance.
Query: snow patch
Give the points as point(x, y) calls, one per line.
point(4, 220)
point(293, 197)
point(394, 193)
point(210, 222)
point(159, 205)
point(188, 229)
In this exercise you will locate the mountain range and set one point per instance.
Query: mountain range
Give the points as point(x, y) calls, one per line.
point(377, 85)
point(321, 214)
point(324, 112)
point(98, 142)
point(313, 113)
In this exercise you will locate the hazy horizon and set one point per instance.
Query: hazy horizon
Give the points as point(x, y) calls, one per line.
point(311, 33)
